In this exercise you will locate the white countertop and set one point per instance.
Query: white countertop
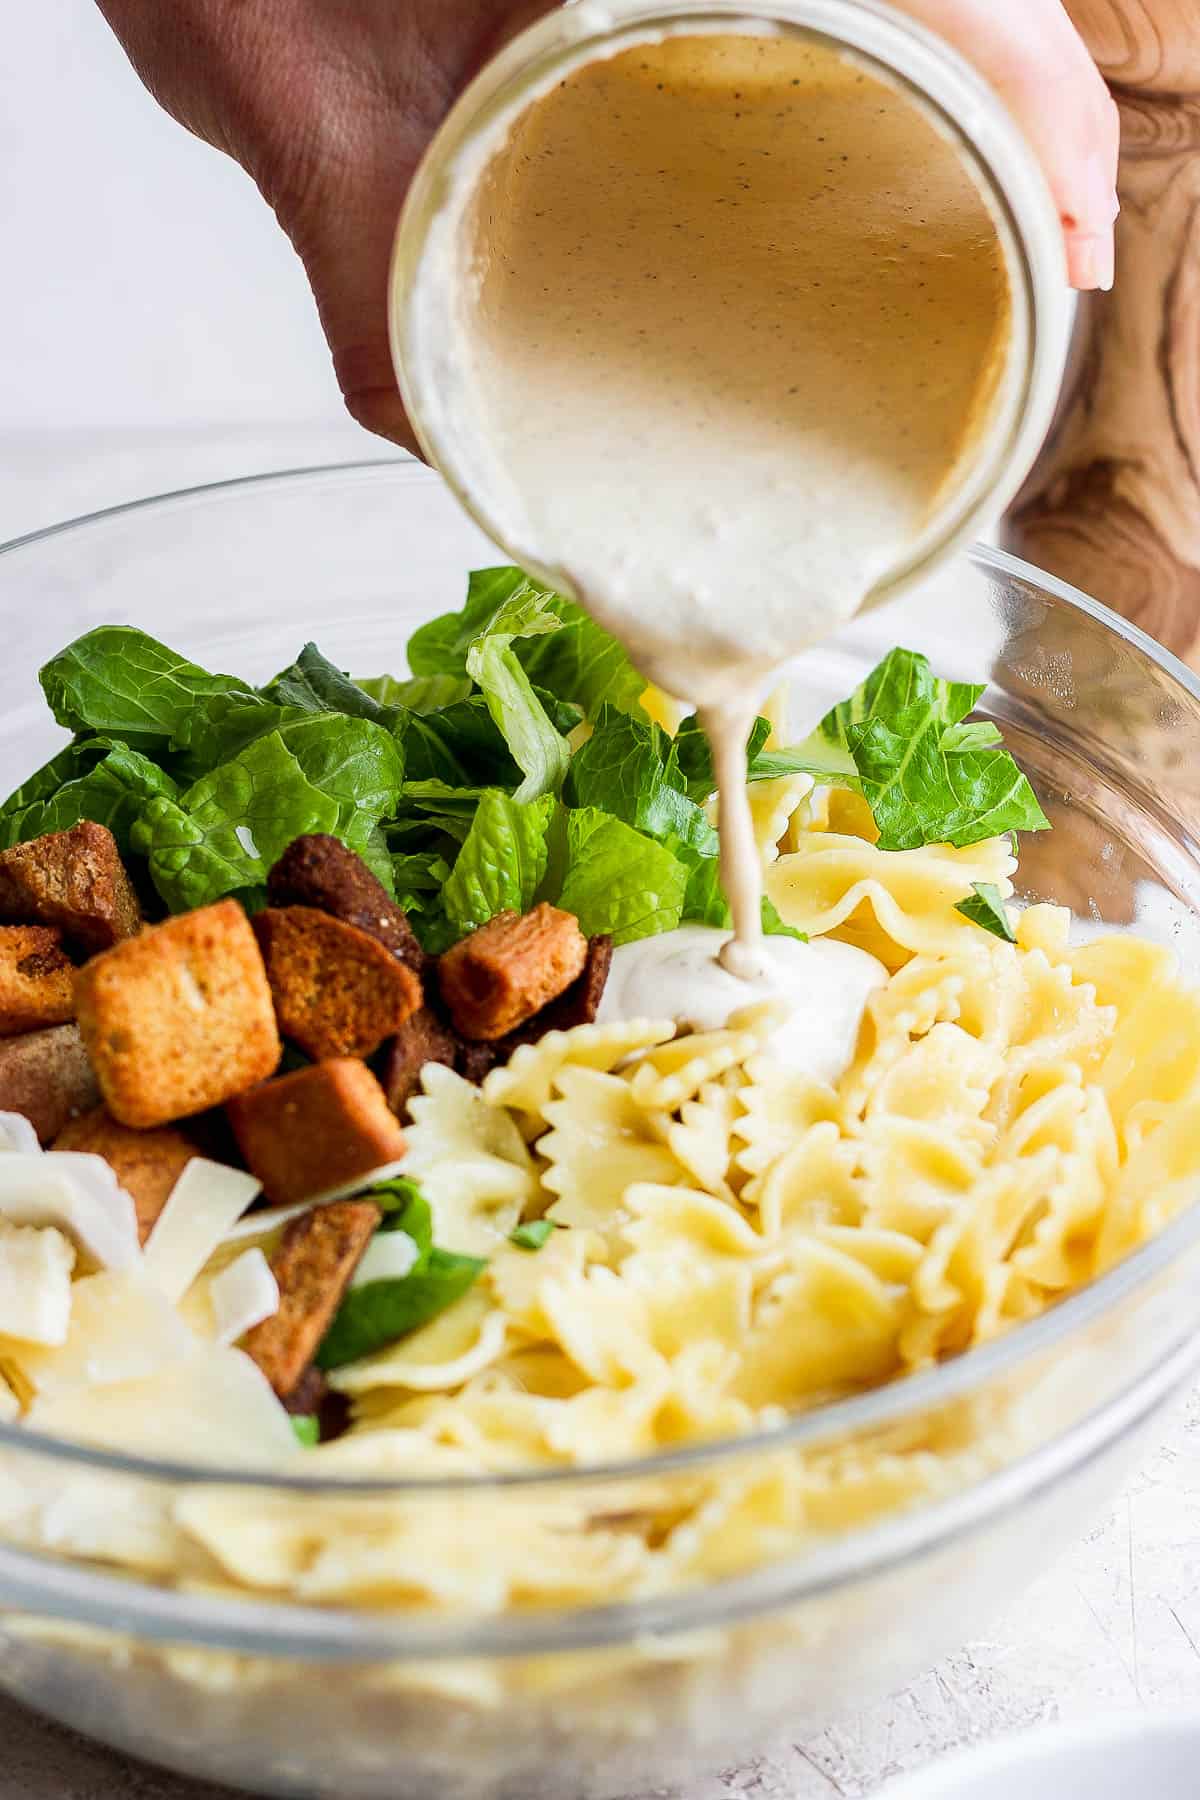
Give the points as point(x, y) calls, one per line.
point(1115, 1626)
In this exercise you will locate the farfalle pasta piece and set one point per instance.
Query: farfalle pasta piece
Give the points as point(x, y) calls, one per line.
point(471, 1161)
point(601, 1144)
point(443, 1354)
point(675, 1072)
point(525, 1083)
point(827, 1325)
point(701, 1138)
point(811, 1184)
point(776, 1108)
point(892, 903)
point(772, 804)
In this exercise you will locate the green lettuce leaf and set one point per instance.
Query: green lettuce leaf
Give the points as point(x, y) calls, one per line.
point(617, 880)
point(307, 1428)
point(539, 751)
point(225, 832)
point(692, 756)
point(358, 765)
point(502, 861)
point(313, 684)
point(419, 877)
point(380, 1312)
point(986, 908)
point(534, 1234)
point(420, 694)
point(928, 776)
point(627, 768)
point(121, 683)
point(93, 779)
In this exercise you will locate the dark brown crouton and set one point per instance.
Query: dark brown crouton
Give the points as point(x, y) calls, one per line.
point(146, 1163)
point(424, 1039)
point(337, 991)
point(46, 1075)
point(308, 1395)
point(317, 1131)
point(577, 1006)
point(507, 970)
point(313, 1265)
point(37, 979)
point(179, 1018)
point(318, 870)
point(73, 879)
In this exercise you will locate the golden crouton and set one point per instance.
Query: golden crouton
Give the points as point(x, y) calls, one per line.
point(316, 1258)
point(318, 870)
point(146, 1163)
point(37, 979)
point(337, 991)
point(423, 1039)
point(46, 1076)
point(179, 1018)
point(316, 1130)
point(507, 970)
point(73, 879)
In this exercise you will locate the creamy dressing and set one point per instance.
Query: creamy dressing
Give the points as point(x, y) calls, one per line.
point(821, 989)
point(731, 327)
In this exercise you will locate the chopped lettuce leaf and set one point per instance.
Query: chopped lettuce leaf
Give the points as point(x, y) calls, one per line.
point(460, 744)
point(928, 777)
point(419, 694)
point(228, 829)
point(617, 880)
point(502, 862)
point(118, 681)
point(626, 768)
point(986, 908)
point(313, 684)
point(419, 877)
point(534, 1234)
point(95, 779)
point(540, 752)
point(692, 756)
point(307, 1428)
point(378, 1312)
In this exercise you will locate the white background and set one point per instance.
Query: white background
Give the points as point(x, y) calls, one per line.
point(155, 324)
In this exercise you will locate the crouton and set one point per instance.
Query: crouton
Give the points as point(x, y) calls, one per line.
point(179, 1018)
point(37, 979)
point(316, 1131)
point(313, 1265)
point(318, 870)
point(424, 1039)
point(146, 1163)
point(309, 1394)
point(46, 1075)
point(507, 970)
point(73, 879)
point(337, 992)
point(577, 1005)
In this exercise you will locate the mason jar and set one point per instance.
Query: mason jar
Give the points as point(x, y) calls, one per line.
point(433, 262)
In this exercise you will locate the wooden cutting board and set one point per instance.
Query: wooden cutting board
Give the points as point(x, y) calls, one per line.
point(1113, 504)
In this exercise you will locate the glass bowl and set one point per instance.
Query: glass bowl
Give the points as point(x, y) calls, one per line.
point(103, 1628)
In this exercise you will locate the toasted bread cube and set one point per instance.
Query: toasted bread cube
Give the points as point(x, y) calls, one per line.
point(179, 1018)
point(576, 1005)
point(37, 979)
point(424, 1039)
point(146, 1163)
point(510, 968)
point(47, 1077)
point(318, 870)
point(316, 1131)
point(313, 1265)
point(337, 991)
point(73, 879)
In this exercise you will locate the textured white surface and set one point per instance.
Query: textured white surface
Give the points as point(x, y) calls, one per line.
point(1115, 1626)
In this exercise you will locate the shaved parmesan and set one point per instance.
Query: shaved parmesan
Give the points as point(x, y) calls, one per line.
point(243, 1295)
point(205, 1202)
point(360, 1184)
point(35, 1282)
point(121, 1329)
point(214, 1406)
point(390, 1256)
point(77, 1193)
point(16, 1133)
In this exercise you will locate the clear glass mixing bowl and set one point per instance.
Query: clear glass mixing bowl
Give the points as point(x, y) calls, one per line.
point(608, 1700)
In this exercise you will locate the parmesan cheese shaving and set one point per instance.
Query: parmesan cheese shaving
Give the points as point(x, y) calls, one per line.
point(390, 1256)
point(243, 1295)
point(206, 1201)
point(77, 1193)
point(16, 1133)
point(35, 1282)
point(122, 1329)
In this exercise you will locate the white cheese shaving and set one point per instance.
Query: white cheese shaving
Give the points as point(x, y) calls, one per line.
point(213, 1406)
point(16, 1133)
point(122, 1329)
point(259, 1226)
point(390, 1256)
point(206, 1201)
point(35, 1283)
point(243, 1295)
point(77, 1193)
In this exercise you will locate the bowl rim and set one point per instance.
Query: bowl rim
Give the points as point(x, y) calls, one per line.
point(887, 1405)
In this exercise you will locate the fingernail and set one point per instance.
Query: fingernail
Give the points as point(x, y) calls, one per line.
point(1099, 196)
point(1090, 261)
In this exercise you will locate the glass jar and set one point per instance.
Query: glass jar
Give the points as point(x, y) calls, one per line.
point(432, 271)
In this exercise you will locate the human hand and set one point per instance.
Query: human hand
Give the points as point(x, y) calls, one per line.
point(329, 105)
